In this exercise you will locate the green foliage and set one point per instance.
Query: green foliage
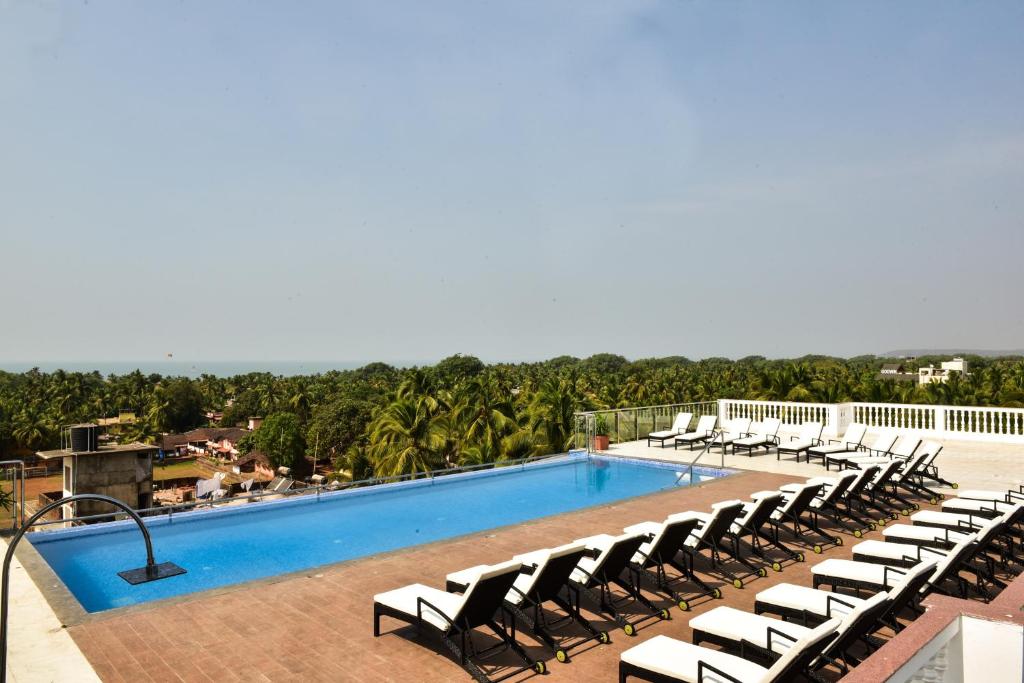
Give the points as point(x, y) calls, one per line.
point(601, 425)
point(382, 420)
point(281, 438)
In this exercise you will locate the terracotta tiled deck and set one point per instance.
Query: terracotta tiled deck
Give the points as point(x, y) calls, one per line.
point(319, 627)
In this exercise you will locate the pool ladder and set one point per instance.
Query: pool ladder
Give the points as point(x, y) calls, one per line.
point(689, 468)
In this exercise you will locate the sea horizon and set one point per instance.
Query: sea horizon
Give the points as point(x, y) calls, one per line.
point(196, 368)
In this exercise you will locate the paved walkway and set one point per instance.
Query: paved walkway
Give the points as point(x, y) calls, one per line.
point(39, 648)
point(318, 627)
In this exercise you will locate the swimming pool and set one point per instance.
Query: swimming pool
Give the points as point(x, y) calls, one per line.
point(232, 545)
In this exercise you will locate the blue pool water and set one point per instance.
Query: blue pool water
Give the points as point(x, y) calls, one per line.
point(232, 545)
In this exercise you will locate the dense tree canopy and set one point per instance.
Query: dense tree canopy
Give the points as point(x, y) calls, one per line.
point(382, 420)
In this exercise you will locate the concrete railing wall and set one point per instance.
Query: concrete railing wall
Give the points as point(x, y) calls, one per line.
point(966, 423)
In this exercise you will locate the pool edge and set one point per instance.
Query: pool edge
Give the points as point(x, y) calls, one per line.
point(70, 611)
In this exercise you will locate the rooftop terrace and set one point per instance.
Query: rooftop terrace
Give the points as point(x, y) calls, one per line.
point(316, 625)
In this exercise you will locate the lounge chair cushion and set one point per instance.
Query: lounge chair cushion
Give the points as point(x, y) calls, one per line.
point(896, 552)
point(981, 494)
point(829, 448)
point(737, 625)
point(794, 597)
point(677, 659)
point(863, 572)
point(793, 446)
point(947, 520)
point(968, 505)
point(404, 600)
point(908, 533)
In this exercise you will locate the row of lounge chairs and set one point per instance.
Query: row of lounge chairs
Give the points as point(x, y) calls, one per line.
point(809, 628)
point(613, 575)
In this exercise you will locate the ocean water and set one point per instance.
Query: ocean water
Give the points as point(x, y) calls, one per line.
point(193, 369)
point(233, 545)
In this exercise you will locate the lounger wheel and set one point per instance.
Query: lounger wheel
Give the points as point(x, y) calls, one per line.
point(540, 667)
point(857, 533)
point(955, 485)
point(776, 567)
point(561, 655)
point(872, 526)
point(762, 572)
point(665, 614)
point(895, 515)
point(881, 522)
point(839, 540)
point(906, 512)
point(933, 500)
point(683, 605)
point(817, 550)
point(737, 583)
point(717, 594)
point(629, 630)
point(800, 557)
point(604, 638)
point(916, 506)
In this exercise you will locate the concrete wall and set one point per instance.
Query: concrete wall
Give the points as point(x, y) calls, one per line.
point(125, 476)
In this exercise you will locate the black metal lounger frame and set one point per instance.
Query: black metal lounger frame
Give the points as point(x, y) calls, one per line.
point(798, 667)
point(492, 591)
point(665, 552)
point(549, 588)
point(618, 569)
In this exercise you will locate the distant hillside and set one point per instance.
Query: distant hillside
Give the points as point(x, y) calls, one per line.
point(987, 353)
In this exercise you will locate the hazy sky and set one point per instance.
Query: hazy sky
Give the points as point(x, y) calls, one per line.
point(407, 180)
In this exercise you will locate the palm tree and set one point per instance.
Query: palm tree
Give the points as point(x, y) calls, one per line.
point(553, 415)
point(405, 438)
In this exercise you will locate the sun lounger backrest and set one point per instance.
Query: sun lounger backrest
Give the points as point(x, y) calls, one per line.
point(910, 587)
point(842, 485)
point(790, 666)
point(861, 621)
point(739, 426)
point(756, 428)
point(914, 465)
point(673, 534)
point(865, 476)
point(762, 512)
point(888, 470)
point(682, 422)
point(854, 434)
point(771, 426)
point(907, 446)
point(931, 449)
point(950, 564)
point(553, 574)
point(802, 498)
point(616, 557)
point(722, 516)
point(883, 443)
point(485, 594)
point(705, 424)
point(811, 431)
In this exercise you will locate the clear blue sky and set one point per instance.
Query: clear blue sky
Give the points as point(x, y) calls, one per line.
point(407, 180)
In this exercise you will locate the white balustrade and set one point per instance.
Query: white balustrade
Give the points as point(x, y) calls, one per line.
point(968, 423)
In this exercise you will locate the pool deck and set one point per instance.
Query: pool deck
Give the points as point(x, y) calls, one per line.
point(317, 626)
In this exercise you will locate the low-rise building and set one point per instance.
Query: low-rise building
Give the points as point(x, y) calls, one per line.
point(121, 471)
point(942, 374)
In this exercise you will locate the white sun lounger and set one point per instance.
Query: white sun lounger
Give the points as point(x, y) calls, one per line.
point(931, 536)
point(732, 627)
point(662, 658)
point(980, 508)
point(764, 436)
point(1007, 496)
point(704, 431)
point(866, 575)
point(736, 428)
point(452, 616)
point(811, 605)
point(679, 426)
point(809, 436)
point(850, 443)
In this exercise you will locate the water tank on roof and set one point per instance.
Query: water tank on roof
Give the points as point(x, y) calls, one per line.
point(84, 438)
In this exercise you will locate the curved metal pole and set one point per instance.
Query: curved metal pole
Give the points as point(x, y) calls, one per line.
point(150, 562)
